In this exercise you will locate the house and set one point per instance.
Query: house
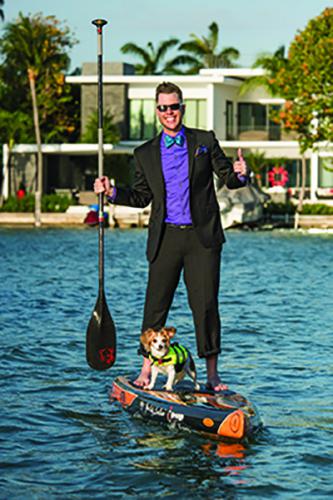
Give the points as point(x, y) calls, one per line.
point(212, 102)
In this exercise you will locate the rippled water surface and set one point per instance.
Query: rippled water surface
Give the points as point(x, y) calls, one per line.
point(61, 437)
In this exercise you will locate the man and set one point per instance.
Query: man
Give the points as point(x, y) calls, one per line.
point(174, 171)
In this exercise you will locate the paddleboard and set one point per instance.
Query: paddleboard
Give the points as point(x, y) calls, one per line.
point(227, 414)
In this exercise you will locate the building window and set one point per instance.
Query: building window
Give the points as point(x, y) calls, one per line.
point(325, 173)
point(196, 113)
point(143, 121)
point(252, 121)
point(274, 129)
point(229, 120)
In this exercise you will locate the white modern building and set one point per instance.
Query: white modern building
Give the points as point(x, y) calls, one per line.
point(213, 101)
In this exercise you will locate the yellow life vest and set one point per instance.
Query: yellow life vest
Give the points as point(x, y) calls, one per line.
point(177, 355)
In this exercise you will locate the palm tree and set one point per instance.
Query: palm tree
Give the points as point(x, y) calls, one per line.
point(2, 15)
point(256, 161)
point(152, 59)
point(110, 130)
point(203, 52)
point(34, 46)
point(271, 63)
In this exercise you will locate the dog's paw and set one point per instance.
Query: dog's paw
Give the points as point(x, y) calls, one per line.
point(167, 387)
point(149, 387)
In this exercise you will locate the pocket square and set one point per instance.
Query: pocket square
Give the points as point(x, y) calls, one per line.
point(201, 150)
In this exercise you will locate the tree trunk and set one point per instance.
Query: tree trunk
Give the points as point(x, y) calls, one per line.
point(301, 192)
point(39, 183)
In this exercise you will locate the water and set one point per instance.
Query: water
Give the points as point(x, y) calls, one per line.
point(60, 437)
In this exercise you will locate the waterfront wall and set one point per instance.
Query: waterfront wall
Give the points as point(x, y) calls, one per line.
point(127, 217)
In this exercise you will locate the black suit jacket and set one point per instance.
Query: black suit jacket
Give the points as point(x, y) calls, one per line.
point(205, 157)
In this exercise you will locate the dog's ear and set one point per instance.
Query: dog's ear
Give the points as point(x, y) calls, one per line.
point(146, 338)
point(170, 331)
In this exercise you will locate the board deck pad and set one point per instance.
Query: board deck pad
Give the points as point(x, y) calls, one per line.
point(226, 414)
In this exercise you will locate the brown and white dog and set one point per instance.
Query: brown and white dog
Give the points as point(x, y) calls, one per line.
point(173, 360)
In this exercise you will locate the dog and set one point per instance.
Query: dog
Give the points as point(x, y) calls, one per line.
point(173, 360)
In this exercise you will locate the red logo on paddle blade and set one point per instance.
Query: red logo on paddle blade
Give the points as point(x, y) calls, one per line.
point(106, 355)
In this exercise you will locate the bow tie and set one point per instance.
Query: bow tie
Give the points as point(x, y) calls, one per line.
point(169, 141)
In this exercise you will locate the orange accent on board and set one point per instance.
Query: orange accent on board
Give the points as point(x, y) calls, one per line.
point(208, 422)
point(125, 398)
point(233, 425)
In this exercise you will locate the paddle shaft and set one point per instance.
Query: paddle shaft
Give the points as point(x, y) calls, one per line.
point(99, 23)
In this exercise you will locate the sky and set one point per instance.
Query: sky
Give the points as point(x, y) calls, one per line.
point(251, 26)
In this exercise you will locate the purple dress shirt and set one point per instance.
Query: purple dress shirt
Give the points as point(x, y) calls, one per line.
point(175, 167)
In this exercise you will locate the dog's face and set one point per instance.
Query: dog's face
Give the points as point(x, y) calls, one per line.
point(157, 342)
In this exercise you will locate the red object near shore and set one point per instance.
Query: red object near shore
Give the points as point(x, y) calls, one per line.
point(20, 194)
point(278, 176)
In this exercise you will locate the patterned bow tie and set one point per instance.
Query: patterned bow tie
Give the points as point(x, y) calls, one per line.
point(169, 141)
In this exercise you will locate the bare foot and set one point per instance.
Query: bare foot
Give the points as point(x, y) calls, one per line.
point(213, 379)
point(144, 377)
point(216, 384)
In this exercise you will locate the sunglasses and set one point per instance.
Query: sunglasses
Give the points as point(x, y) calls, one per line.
point(162, 108)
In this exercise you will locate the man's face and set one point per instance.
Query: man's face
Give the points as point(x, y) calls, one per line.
point(170, 119)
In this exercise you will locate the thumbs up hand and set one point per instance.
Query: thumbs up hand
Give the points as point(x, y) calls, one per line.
point(240, 167)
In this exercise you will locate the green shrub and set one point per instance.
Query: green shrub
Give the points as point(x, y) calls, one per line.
point(55, 203)
point(50, 203)
point(316, 209)
point(13, 204)
point(288, 208)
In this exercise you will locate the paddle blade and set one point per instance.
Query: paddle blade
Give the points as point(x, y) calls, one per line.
point(101, 337)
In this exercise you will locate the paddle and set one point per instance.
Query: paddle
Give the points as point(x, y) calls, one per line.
point(101, 332)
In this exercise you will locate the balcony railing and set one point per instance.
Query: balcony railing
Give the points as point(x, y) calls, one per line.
point(262, 133)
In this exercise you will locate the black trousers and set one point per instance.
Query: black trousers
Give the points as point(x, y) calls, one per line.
point(181, 250)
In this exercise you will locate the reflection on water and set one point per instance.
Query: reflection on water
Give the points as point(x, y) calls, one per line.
point(60, 436)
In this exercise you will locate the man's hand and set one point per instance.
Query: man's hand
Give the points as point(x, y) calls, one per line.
point(240, 167)
point(102, 185)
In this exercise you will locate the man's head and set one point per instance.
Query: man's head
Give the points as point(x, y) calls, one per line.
point(169, 107)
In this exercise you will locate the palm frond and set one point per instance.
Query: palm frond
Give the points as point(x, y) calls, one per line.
point(182, 65)
point(193, 47)
point(230, 52)
point(164, 47)
point(184, 59)
point(213, 36)
point(253, 83)
point(136, 50)
point(227, 57)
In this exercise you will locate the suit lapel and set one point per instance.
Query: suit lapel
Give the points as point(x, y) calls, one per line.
point(191, 143)
point(157, 163)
